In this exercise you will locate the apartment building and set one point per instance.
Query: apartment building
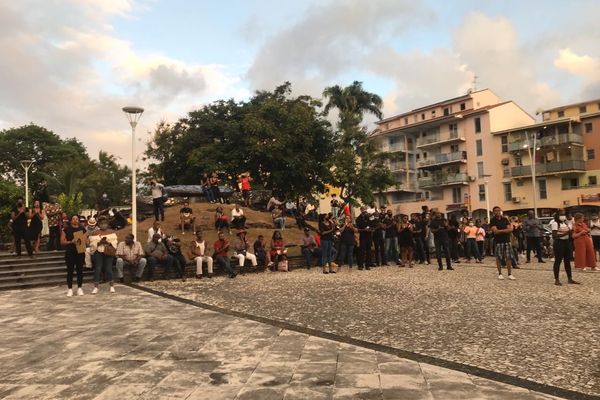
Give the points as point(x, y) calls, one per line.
point(445, 155)
point(566, 150)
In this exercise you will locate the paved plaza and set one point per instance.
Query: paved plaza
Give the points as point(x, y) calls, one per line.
point(527, 328)
point(135, 345)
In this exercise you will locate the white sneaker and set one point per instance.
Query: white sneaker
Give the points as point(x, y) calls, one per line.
point(512, 278)
point(79, 292)
point(70, 293)
point(501, 277)
point(95, 290)
point(112, 289)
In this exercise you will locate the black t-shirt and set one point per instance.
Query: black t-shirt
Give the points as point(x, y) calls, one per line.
point(20, 222)
point(453, 229)
point(422, 226)
point(500, 223)
point(442, 233)
point(390, 231)
point(362, 222)
point(69, 231)
point(185, 210)
point(325, 226)
point(347, 236)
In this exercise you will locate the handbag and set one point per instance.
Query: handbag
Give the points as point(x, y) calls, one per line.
point(282, 265)
point(109, 250)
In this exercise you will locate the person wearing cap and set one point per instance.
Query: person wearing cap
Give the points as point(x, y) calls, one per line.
point(198, 253)
point(103, 244)
point(130, 252)
point(309, 247)
point(90, 229)
point(240, 248)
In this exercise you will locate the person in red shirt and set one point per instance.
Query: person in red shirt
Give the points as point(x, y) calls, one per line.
point(221, 256)
point(245, 186)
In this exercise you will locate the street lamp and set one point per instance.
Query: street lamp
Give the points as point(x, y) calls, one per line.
point(532, 158)
point(26, 164)
point(487, 197)
point(133, 115)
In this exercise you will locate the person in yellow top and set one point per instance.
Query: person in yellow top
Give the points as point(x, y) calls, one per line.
point(471, 242)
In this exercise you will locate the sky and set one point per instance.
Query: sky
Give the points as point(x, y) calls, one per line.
point(71, 65)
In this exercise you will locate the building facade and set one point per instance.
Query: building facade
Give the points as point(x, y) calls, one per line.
point(445, 155)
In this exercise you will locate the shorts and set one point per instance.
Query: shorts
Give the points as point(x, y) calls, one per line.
point(596, 240)
point(504, 252)
point(245, 194)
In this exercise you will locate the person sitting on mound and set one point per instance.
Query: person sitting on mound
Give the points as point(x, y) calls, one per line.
point(186, 217)
point(238, 219)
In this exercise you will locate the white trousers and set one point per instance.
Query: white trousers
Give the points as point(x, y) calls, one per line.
point(209, 264)
point(249, 256)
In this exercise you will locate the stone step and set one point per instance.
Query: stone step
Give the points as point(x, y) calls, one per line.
point(18, 270)
point(25, 260)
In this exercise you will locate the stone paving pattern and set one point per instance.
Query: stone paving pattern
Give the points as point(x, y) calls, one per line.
point(134, 345)
point(527, 328)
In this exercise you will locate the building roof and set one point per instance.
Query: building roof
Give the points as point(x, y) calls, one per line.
point(538, 125)
point(571, 105)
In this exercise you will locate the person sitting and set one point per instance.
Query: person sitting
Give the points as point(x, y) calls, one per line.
point(198, 253)
point(221, 250)
point(221, 221)
point(278, 253)
point(186, 216)
point(118, 220)
point(238, 219)
point(155, 229)
point(179, 261)
point(273, 203)
point(309, 248)
point(157, 253)
point(278, 218)
point(241, 250)
point(130, 252)
point(290, 208)
point(260, 251)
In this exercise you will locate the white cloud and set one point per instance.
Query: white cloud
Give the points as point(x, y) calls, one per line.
point(584, 66)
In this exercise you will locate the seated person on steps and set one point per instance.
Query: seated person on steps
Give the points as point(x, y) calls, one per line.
point(198, 253)
point(186, 217)
point(238, 219)
point(130, 252)
point(241, 250)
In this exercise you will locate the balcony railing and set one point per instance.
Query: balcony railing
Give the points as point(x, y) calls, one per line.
point(550, 168)
point(569, 187)
point(401, 167)
point(393, 148)
point(446, 137)
point(554, 140)
point(445, 158)
point(454, 179)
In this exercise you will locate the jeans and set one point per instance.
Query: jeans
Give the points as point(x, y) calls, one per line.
point(208, 193)
point(159, 208)
point(481, 248)
point(74, 262)
point(346, 255)
point(534, 243)
point(392, 252)
point(225, 263)
point(453, 248)
point(379, 245)
point(326, 246)
point(421, 250)
point(562, 252)
point(309, 254)
point(442, 246)
point(216, 192)
point(279, 223)
point(53, 238)
point(167, 263)
point(139, 267)
point(102, 263)
point(471, 249)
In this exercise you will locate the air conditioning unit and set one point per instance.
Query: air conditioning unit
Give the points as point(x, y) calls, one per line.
point(472, 179)
point(516, 199)
point(505, 161)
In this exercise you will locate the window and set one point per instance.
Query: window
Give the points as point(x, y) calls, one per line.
point(456, 195)
point(423, 117)
point(418, 157)
point(480, 169)
point(518, 161)
point(520, 183)
point(592, 180)
point(405, 121)
point(588, 127)
point(453, 148)
point(507, 191)
point(424, 155)
point(582, 109)
point(561, 114)
point(479, 146)
point(463, 107)
point(591, 154)
point(542, 188)
point(504, 141)
point(446, 111)
point(505, 171)
point(433, 114)
point(481, 192)
point(477, 125)
point(453, 128)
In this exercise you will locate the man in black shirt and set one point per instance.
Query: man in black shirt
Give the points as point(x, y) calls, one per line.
point(439, 228)
point(417, 236)
point(502, 229)
point(365, 234)
point(378, 239)
point(186, 216)
point(391, 238)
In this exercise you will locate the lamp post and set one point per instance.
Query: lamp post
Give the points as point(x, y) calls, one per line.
point(532, 158)
point(26, 164)
point(487, 197)
point(133, 115)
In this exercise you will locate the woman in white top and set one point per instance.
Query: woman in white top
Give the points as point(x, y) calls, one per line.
point(103, 246)
point(595, 232)
point(561, 232)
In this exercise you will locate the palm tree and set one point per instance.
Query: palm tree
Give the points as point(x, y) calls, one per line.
point(352, 102)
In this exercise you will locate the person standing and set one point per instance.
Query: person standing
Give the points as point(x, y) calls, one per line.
point(405, 241)
point(595, 232)
point(378, 237)
point(245, 186)
point(501, 227)
point(20, 230)
point(335, 206)
point(532, 227)
point(73, 259)
point(214, 187)
point(347, 242)
point(561, 232)
point(480, 238)
point(471, 248)
point(392, 252)
point(36, 224)
point(439, 227)
point(326, 231)
point(585, 256)
point(130, 252)
point(198, 253)
point(103, 246)
point(54, 213)
point(453, 236)
point(365, 234)
point(158, 200)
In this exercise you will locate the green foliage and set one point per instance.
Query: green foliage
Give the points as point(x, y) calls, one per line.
point(358, 169)
point(10, 191)
point(72, 204)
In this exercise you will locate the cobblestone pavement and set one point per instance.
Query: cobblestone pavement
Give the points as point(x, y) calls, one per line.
point(134, 345)
point(527, 328)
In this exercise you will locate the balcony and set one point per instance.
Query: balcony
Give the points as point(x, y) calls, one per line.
point(448, 180)
point(386, 148)
point(440, 139)
point(445, 159)
point(551, 168)
point(402, 167)
point(400, 187)
point(548, 141)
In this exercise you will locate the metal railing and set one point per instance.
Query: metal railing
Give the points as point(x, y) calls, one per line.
point(445, 158)
point(440, 138)
point(443, 180)
point(553, 140)
point(549, 168)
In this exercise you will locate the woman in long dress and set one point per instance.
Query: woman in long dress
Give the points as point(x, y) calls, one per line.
point(37, 217)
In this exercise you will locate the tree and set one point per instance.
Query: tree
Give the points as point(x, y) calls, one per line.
point(10, 191)
point(358, 169)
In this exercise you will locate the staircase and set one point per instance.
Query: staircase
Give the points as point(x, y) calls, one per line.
point(45, 268)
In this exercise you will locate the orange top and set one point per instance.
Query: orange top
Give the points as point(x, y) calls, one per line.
point(471, 232)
